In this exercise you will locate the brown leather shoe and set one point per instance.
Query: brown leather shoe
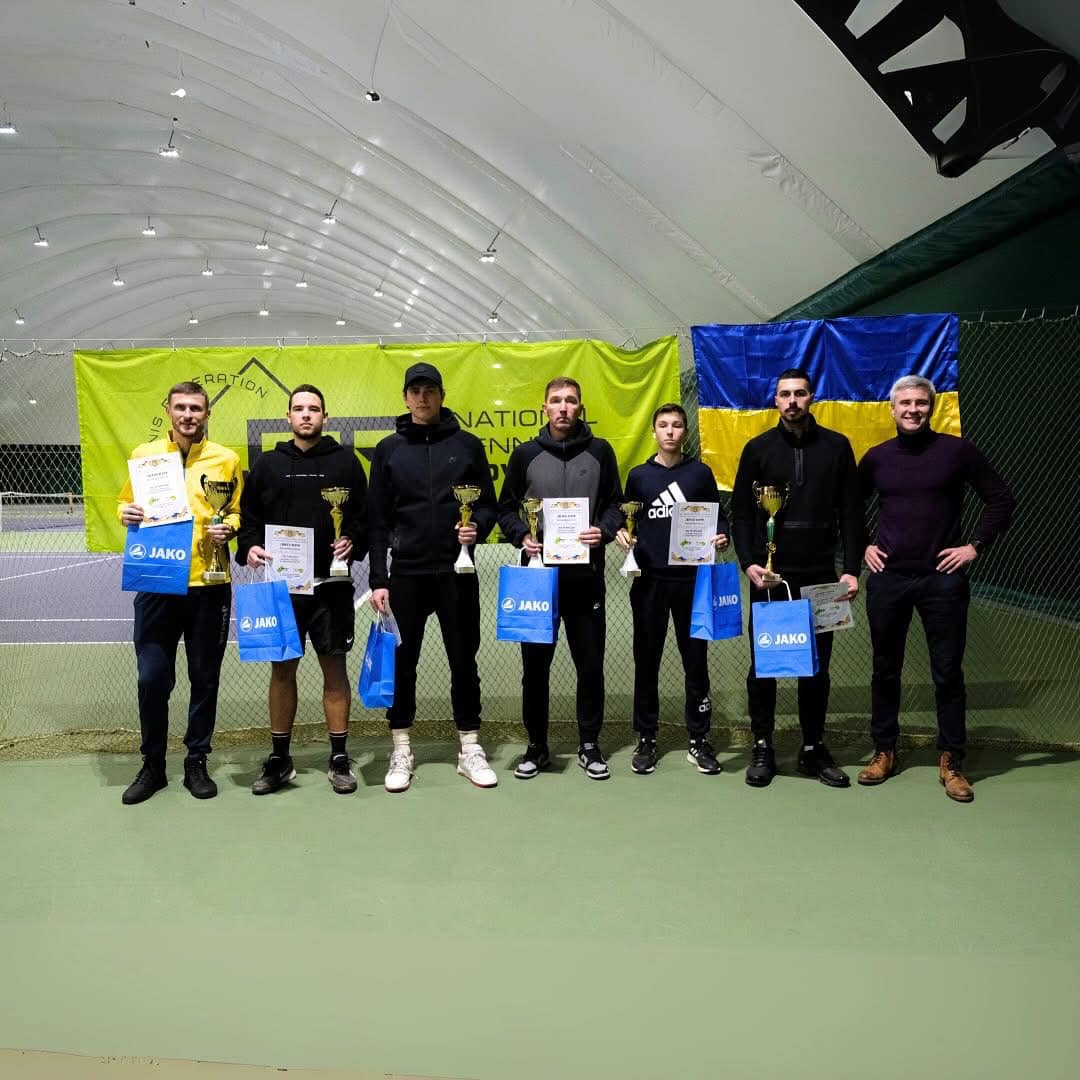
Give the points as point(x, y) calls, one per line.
point(956, 784)
point(882, 766)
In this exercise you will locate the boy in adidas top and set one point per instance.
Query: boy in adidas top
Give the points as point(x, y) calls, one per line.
point(665, 479)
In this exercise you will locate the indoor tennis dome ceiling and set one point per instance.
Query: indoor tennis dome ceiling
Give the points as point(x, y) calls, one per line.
point(617, 168)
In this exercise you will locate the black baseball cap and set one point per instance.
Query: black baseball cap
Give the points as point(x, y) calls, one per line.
point(419, 373)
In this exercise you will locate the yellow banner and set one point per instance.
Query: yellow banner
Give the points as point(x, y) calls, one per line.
point(496, 389)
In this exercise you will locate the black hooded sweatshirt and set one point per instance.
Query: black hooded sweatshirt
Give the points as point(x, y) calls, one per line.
point(284, 488)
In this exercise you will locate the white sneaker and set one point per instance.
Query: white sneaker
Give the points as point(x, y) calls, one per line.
point(472, 763)
point(399, 774)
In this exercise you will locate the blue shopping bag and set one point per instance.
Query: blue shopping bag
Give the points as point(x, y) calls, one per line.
point(785, 645)
point(716, 610)
point(376, 682)
point(528, 605)
point(157, 558)
point(265, 622)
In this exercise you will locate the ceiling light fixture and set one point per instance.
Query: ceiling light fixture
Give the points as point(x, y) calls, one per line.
point(193, 320)
point(397, 324)
point(303, 282)
point(373, 96)
point(118, 281)
point(207, 271)
point(7, 125)
point(378, 291)
point(149, 230)
point(168, 150)
point(264, 311)
point(262, 245)
point(488, 254)
point(340, 320)
point(19, 320)
point(328, 217)
point(493, 318)
point(31, 401)
point(179, 92)
point(40, 241)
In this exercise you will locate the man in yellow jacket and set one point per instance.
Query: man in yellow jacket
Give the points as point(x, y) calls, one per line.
point(200, 616)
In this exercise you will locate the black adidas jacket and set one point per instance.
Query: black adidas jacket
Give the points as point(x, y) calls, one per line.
point(284, 488)
point(411, 504)
point(582, 465)
point(658, 487)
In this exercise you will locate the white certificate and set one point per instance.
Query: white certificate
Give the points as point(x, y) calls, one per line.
point(158, 486)
point(292, 551)
point(831, 610)
point(565, 520)
point(693, 526)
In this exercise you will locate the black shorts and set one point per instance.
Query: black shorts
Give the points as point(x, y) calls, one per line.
point(327, 618)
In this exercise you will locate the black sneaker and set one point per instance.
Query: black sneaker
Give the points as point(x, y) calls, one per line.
point(703, 756)
point(341, 777)
point(762, 767)
point(535, 758)
point(645, 757)
point(197, 779)
point(276, 772)
point(818, 762)
point(149, 779)
point(591, 759)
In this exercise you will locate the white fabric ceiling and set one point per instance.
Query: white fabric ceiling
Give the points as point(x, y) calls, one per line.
point(646, 165)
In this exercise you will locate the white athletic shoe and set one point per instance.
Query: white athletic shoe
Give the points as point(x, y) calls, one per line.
point(399, 774)
point(472, 763)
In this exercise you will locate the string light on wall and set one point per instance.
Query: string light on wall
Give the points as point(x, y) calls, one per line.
point(168, 150)
point(488, 254)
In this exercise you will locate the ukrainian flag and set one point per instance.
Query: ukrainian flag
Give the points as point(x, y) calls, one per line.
point(853, 362)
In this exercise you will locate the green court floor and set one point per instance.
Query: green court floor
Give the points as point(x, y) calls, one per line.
point(674, 925)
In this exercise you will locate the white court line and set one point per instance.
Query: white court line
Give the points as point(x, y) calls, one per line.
point(129, 619)
point(50, 570)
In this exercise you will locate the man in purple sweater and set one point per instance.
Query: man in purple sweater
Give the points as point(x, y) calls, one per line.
point(918, 562)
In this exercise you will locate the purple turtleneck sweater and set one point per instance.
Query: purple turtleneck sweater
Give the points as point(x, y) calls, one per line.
point(920, 480)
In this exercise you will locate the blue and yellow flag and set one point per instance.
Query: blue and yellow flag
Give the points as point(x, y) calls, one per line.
point(852, 362)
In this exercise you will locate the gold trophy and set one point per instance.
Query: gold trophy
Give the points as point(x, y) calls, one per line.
point(771, 500)
point(630, 567)
point(337, 497)
point(466, 495)
point(218, 493)
point(532, 507)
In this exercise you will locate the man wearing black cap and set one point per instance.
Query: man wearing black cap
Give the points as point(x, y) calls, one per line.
point(412, 511)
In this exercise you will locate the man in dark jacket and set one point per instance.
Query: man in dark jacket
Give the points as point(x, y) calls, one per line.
point(415, 515)
point(918, 562)
point(285, 488)
point(816, 467)
point(566, 459)
point(661, 590)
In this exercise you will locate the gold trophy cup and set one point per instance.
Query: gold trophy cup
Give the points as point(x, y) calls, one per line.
point(466, 495)
point(532, 507)
point(771, 499)
point(218, 493)
point(630, 567)
point(337, 497)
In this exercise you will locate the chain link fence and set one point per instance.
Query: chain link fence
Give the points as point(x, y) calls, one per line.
point(67, 668)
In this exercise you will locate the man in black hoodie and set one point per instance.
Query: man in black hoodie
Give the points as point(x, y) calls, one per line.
point(285, 488)
point(415, 515)
point(817, 467)
point(566, 459)
point(667, 478)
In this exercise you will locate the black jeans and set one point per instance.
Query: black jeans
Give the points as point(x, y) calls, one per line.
point(813, 693)
point(652, 599)
point(455, 600)
point(581, 609)
point(201, 617)
point(942, 601)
